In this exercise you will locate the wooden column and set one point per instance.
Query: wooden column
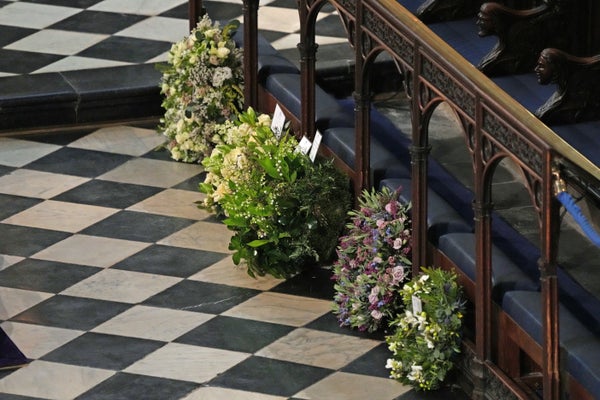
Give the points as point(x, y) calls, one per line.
point(482, 210)
point(419, 153)
point(362, 117)
point(550, 233)
point(196, 11)
point(308, 50)
point(483, 295)
point(250, 10)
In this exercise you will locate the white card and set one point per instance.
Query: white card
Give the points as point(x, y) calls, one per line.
point(304, 145)
point(315, 145)
point(417, 305)
point(278, 121)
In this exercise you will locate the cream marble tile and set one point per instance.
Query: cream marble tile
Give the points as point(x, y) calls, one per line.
point(91, 250)
point(290, 41)
point(281, 309)
point(323, 40)
point(43, 185)
point(227, 273)
point(75, 63)
point(158, 28)
point(14, 301)
point(143, 7)
point(60, 216)
point(217, 393)
point(164, 173)
point(167, 325)
point(17, 152)
point(36, 341)
point(33, 15)
point(196, 236)
point(122, 286)
point(286, 42)
point(353, 387)
point(7, 260)
point(278, 19)
point(120, 139)
point(48, 380)
point(187, 363)
point(318, 348)
point(57, 42)
point(161, 58)
point(263, 2)
point(173, 203)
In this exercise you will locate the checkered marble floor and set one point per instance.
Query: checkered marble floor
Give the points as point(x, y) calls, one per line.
point(38, 36)
point(72, 62)
point(118, 287)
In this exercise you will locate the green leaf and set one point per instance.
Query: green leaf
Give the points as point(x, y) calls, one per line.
point(269, 168)
point(258, 242)
point(235, 221)
point(230, 29)
point(236, 257)
point(205, 188)
point(261, 212)
point(248, 117)
point(162, 67)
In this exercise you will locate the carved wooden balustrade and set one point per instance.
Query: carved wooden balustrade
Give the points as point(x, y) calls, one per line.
point(495, 127)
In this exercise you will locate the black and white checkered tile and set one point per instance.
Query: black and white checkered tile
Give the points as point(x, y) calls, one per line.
point(69, 62)
point(117, 286)
point(38, 36)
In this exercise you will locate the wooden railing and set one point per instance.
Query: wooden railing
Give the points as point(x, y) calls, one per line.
point(495, 126)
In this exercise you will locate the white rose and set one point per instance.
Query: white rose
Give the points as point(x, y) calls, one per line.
point(209, 33)
point(223, 52)
point(175, 154)
point(264, 120)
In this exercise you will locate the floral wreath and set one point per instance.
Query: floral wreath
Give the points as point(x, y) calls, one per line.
point(427, 335)
point(373, 262)
point(286, 212)
point(203, 86)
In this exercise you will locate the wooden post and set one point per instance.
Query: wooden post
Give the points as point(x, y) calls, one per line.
point(483, 290)
point(482, 209)
point(250, 9)
point(362, 94)
point(419, 155)
point(308, 51)
point(196, 11)
point(548, 274)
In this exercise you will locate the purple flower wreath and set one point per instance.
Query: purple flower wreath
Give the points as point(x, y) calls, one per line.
point(373, 262)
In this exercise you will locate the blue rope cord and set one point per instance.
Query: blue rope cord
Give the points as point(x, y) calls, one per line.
point(569, 203)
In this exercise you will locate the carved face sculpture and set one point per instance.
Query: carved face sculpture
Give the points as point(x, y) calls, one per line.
point(544, 69)
point(485, 21)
